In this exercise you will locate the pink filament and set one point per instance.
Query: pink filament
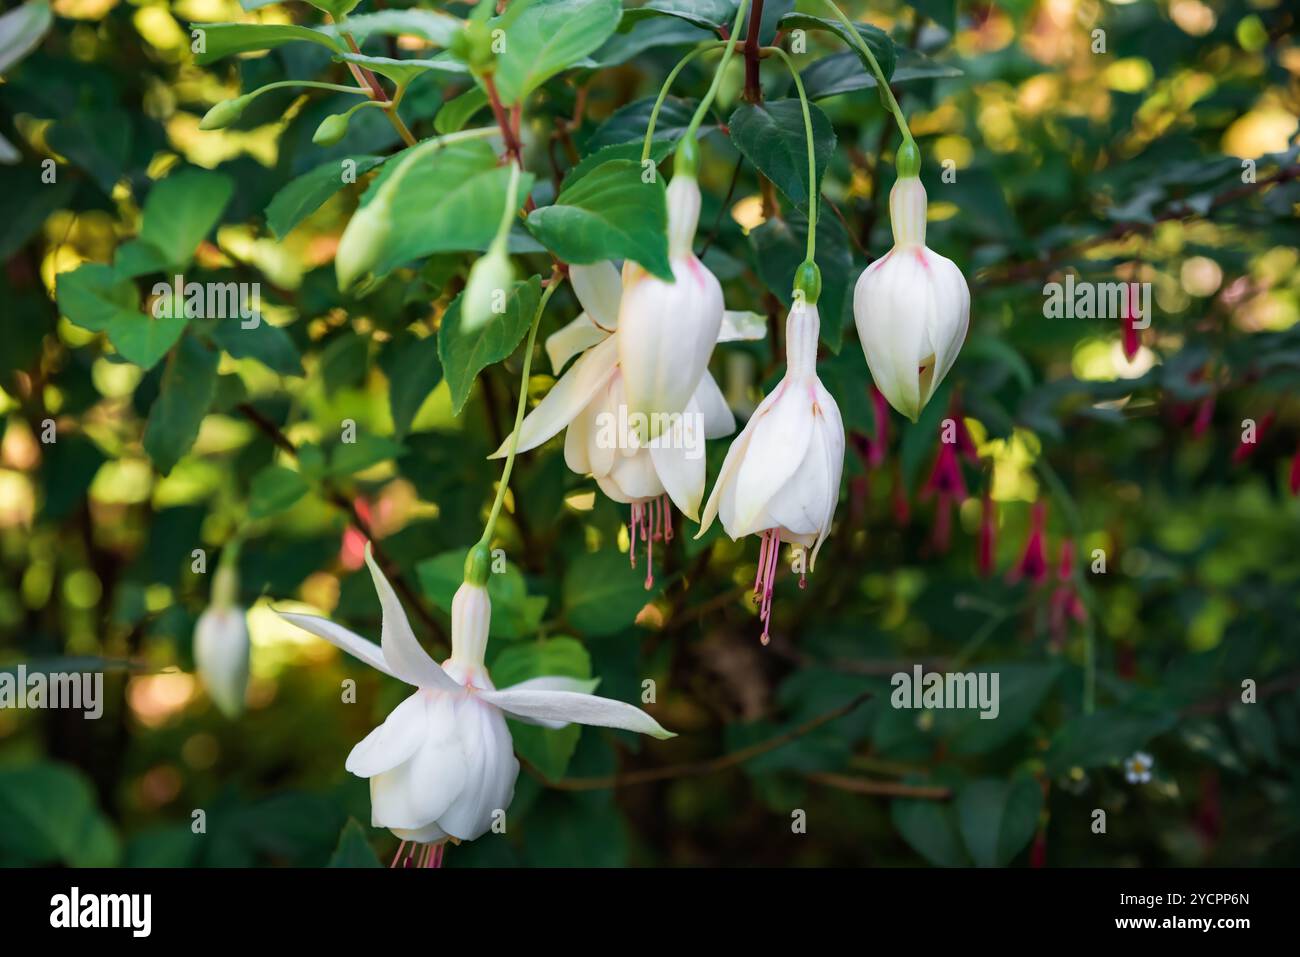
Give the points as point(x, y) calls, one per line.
point(652, 521)
point(766, 580)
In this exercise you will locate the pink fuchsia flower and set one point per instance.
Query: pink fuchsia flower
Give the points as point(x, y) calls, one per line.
point(1293, 481)
point(442, 765)
point(986, 547)
point(781, 477)
point(947, 485)
point(1066, 605)
point(1033, 563)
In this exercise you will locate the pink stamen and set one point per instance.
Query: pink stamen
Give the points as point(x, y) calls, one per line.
point(631, 528)
point(769, 553)
point(396, 857)
point(668, 518)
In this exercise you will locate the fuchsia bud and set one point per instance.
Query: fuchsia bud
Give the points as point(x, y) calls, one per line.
point(1132, 340)
point(1033, 563)
point(1294, 482)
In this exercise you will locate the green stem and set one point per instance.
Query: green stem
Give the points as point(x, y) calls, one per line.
point(886, 94)
point(717, 76)
point(512, 203)
point(813, 191)
point(519, 412)
point(663, 91)
point(281, 84)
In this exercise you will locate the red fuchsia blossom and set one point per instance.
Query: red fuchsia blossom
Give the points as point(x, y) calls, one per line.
point(352, 552)
point(987, 545)
point(902, 507)
point(1066, 603)
point(947, 485)
point(1132, 340)
point(1204, 415)
point(876, 447)
point(1294, 481)
point(1033, 563)
point(1245, 449)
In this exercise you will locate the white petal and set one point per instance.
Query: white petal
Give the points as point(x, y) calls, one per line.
point(401, 650)
point(553, 683)
point(892, 315)
point(635, 475)
point(678, 458)
point(392, 742)
point(574, 708)
point(221, 652)
point(776, 450)
point(832, 427)
point(566, 342)
point(951, 317)
point(567, 397)
point(337, 635)
point(490, 771)
point(718, 420)
point(420, 790)
point(726, 477)
point(599, 289)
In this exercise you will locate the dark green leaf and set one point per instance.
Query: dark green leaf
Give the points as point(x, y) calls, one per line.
point(465, 354)
point(189, 383)
point(550, 36)
point(181, 210)
point(772, 137)
point(602, 594)
point(303, 196)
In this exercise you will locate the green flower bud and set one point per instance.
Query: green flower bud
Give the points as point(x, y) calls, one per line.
point(332, 129)
point(478, 565)
point(473, 46)
point(687, 159)
point(808, 280)
point(487, 289)
point(908, 159)
point(224, 113)
point(359, 248)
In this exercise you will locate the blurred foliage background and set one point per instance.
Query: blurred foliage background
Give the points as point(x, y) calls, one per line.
point(1120, 163)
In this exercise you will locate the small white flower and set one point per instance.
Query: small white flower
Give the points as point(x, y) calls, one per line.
point(442, 764)
point(221, 646)
point(1137, 767)
point(911, 307)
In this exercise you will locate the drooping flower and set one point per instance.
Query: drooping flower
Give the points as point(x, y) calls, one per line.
point(667, 330)
point(1137, 767)
point(1033, 563)
point(221, 645)
point(912, 308)
point(948, 487)
point(1066, 605)
point(781, 477)
point(604, 437)
point(442, 765)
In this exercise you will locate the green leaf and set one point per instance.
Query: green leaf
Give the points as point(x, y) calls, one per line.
point(998, 817)
point(224, 39)
point(882, 47)
point(548, 749)
point(335, 8)
point(354, 849)
point(135, 257)
point(142, 339)
point(48, 814)
point(21, 29)
point(931, 830)
point(515, 614)
point(428, 200)
point(93, 296)
point(602, 595)
point(28, 204)
point(274, 489)
point(465, 354)
point(401, 72)
point(302, 196)
point(182, 209)
point(548, 37)
point(621, 151)
point(942, 12)
point(772, 137)
point(347, 458)
point(416, 372)
point(710, 14)
point(96, 141)
point(780, 245)
point(268, 344)
point(1104, 737)
point(843, 73)
point(438, 28)
point(189, 383)
point(457, 112)
point(628, 123)
point(610, 213)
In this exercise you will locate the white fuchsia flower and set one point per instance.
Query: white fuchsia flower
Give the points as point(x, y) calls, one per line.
point(911, 307)
point(668, 329)
point(604, 436)
point(442, 764)
point(221, 644)
point(1137, 767)
point(781, 477)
